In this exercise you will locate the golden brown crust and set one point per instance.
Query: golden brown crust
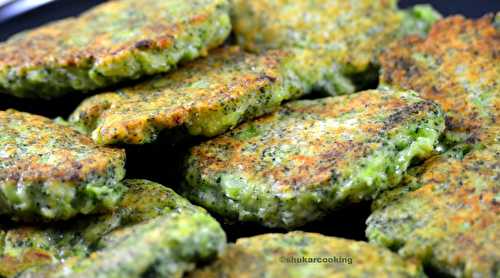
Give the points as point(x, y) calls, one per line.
point(206, 96)
point(340, 31)
point(36, 149)
point(457, 66)
point(10, 266)
point(451, 220)
point(312, 156)
point(114, 41)
point(56, 42)
point(311, 125)
point(299, 254)
point(53, 171)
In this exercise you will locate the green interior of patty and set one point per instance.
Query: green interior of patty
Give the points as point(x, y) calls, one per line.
point(385, 167)
point(53, 81)
point(61, 200)
point(234, 198)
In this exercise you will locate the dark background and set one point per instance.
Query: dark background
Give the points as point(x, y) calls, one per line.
point(65, 8)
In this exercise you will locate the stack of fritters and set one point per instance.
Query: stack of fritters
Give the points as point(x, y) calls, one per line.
point(423, 146)
point(447, 214)
point(67, 210)
point(152, 231)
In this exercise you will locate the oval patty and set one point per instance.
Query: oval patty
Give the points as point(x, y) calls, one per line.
point(341, 37)
point(115, 41)
point(205, 97)
point(299, 254)
point(293, 166)
point(49, 171)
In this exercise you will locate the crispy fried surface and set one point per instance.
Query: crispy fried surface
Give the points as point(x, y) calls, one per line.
point(457, 66)
point(345, 36)
point(450, 218)
point(206, 97)
point(270, 255)
point(292, 166)
point(114, 41)
point(351, 30)
point(51, 171)
point(166, 246)
point(26, 246)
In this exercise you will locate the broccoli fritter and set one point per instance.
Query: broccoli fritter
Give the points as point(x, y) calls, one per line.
point(299, 254)
point(115, 41)
point(457, 66)
point(310, 157)
point(448, 217)
point(50, 172)
point(166, 246)
point(205, 97)
point(145, 210)
point(343, 37)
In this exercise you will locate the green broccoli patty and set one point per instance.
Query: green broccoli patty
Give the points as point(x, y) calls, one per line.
point(152, 231)
point(299, 254)
point(310, 157)
point(115, 41)
point(50, 172)
point(457, 66)
point(341, 37)
point(205, 97)
point(447, 216)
